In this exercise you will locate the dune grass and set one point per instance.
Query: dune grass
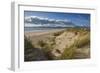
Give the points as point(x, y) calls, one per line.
point(28, 56)
point(46, 48)
point(69, 53)
point(58, 33)
point(27, 43)
point(85, 40)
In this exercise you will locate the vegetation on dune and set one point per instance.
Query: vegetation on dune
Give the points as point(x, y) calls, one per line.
point(28, 48)
point(42, 43)
point(27, 43)
point(48, 45)
point(46, 48)
point(32, 53)
point(69, 52)
point(79, 30)
point(58, 33)
point(85, 40)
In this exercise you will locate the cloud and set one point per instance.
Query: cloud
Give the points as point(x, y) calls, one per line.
point(36, 21)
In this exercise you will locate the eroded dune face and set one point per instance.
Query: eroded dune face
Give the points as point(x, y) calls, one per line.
point(65, 40)
point(64, 44)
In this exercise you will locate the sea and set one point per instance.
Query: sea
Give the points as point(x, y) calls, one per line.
point(41, 29)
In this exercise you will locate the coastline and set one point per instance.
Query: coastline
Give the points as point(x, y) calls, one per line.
point(60, 42)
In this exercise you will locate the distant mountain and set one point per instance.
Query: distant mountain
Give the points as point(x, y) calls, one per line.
point(34, 21)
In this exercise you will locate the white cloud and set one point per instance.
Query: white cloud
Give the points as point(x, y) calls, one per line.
point(40, 21)
point(41, 18)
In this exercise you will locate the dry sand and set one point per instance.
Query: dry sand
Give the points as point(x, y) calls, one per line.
point(66, 39)
point(38, 33)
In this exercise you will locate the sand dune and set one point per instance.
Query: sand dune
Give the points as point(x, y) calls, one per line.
point(58, 41)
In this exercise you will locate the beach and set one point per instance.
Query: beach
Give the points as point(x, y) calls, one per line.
point(60, 42)
point(38, 33)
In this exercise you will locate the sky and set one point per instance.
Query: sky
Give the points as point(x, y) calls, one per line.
point(79, 19)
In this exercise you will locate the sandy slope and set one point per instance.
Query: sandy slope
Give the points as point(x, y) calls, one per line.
point(62, 41)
